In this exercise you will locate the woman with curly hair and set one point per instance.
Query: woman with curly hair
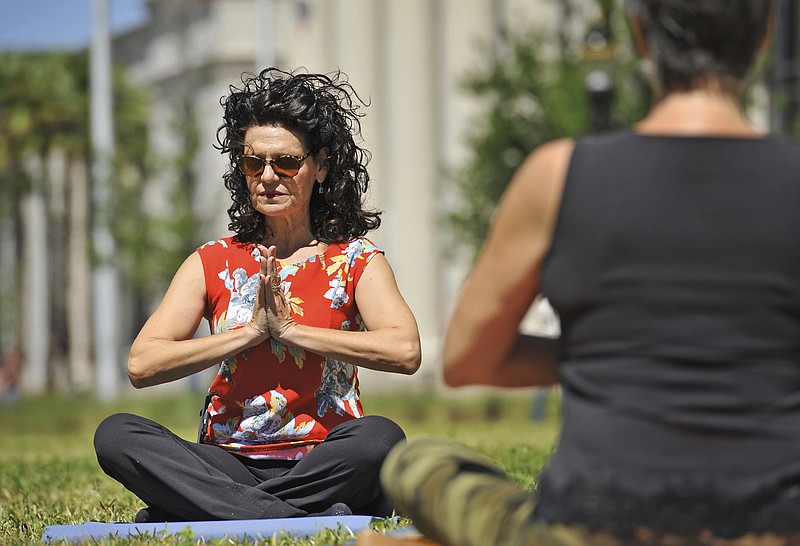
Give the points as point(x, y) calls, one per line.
point(297, 299)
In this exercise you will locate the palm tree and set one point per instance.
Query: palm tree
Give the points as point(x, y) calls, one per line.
point(24, 82)
point(45, 211)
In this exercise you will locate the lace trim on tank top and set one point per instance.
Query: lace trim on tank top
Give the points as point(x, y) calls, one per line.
point(680, 505)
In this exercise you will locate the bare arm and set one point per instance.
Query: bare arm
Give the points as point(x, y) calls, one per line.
point(482, 342)
point(165, 351)
point(391, 340)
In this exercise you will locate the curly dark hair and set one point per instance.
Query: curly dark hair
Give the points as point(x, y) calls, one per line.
point(323, 110)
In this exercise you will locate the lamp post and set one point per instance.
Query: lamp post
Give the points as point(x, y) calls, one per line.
point(599, 52)
point(266, 42)
point(106, 282)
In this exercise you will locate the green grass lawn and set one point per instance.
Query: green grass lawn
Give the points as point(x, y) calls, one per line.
point(49, 475)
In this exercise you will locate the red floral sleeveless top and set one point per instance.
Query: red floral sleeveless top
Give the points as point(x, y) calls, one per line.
point(273, 400)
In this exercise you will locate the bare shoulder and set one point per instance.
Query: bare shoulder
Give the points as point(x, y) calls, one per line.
point(188, 282)
point(378, 274)
point(377, 262)
point(532, 199)
point(545, 169)
point(556, 153)
point(192, 265)
point(182, 307)
point(190, 274)
point(381, 304)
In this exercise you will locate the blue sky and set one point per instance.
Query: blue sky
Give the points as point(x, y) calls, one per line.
point(35, 25)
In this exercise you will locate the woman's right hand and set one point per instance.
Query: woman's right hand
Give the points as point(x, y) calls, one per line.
point(259, 323)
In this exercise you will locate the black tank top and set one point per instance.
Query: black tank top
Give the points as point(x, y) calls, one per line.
point(675, 270)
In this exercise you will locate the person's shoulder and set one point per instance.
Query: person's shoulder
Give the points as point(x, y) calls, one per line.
point(225, 244)
point(361, 244)
point(778, 155)
point(216, 244)
point(547, 164)
point(557, 150)
point(367, 244)
point(785, 143)
point(226, 249)
point(613, 139)
point(358, 248)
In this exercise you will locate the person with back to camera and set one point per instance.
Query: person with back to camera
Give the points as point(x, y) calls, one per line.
point(668, 251)
point(297, 300)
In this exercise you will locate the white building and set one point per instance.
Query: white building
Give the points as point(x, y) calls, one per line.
point(405, 57)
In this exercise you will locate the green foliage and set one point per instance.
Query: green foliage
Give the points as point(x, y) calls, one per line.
point(49, 475)
point(45, 98)
point(530, 100)
point(44, 104)
point(153, 245)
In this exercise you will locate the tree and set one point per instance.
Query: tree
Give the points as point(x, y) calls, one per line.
point(152, 246)
point(44, 111)
point(530, 100)
point(45, 118)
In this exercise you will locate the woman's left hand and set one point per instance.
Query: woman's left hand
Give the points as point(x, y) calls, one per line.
point(279, 317)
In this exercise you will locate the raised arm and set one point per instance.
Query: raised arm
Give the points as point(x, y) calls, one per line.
point(482, 341)
point(165, 349)
point(390, 342)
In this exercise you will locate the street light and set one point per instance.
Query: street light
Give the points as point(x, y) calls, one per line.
point(106, 276)
point(598, 59)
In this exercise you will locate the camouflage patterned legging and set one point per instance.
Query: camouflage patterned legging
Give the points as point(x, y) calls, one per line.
point(458, 498)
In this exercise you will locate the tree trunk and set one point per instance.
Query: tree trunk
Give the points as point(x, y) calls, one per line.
point(35, 308)
point(9, 270)
point(79, 274)
point(56, 202)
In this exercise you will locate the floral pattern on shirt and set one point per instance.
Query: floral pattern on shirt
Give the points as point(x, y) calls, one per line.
point(267, 419)
point(271, 399)
point(338, 386)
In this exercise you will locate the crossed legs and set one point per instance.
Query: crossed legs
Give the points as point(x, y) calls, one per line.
point(190, 481)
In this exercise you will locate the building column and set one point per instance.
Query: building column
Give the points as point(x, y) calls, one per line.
point(410, 172)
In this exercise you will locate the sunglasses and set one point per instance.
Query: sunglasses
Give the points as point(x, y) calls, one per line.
point(285, 165)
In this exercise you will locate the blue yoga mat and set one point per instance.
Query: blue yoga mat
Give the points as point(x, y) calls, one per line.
point(252, 528)
point(404, 532)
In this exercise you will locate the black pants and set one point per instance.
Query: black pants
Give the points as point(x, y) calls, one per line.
point(204, 482)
